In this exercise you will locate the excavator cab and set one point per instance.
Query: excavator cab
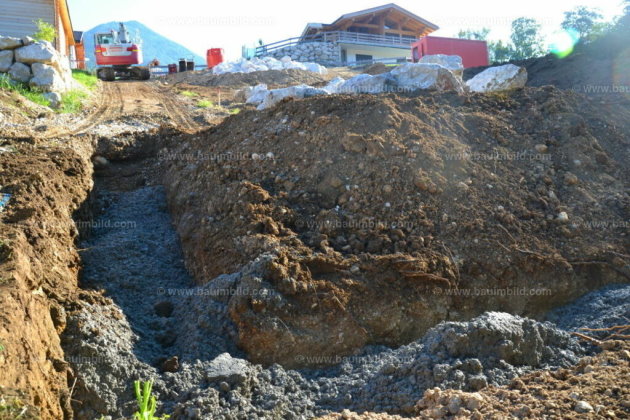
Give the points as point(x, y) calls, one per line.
point(118, 56)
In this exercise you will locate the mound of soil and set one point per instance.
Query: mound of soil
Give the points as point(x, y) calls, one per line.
point(273, 78)
point(372, 218)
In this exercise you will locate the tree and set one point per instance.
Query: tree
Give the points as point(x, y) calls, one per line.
point(499, 51)
point(583, 20)
point(526, 38)
point(480, 34)
point(45, 31)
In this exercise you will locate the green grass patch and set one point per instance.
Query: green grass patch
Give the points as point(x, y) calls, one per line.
point(147, 403)
point(24, 90)
point(72, 102)
point(188, 93)
point(204, 103)
point(86, 78)
point(234, 111)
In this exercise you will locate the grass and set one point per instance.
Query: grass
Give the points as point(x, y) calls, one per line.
point(234, 111)
point(24, 90)
point(146, 402)
point(204, 103)
point(72, 102)
point(86, 78)
point(188, 93)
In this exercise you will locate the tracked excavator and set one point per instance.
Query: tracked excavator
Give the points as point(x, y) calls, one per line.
point(118, 56)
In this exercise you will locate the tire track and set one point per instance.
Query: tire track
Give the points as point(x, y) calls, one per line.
point(174, 110)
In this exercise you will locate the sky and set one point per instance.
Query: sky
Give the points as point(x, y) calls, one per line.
point(203, 24)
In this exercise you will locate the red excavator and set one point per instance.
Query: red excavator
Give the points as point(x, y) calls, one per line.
point(119, 56)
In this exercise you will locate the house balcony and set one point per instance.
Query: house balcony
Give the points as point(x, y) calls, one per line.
point(341, 37)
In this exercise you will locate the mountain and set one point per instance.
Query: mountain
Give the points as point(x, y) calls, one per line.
point(154, 45)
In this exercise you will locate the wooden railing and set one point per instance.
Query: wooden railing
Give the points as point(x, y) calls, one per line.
point(396, 41)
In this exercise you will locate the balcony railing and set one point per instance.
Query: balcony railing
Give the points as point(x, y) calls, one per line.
point(392, 41)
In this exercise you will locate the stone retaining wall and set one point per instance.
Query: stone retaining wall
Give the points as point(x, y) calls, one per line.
point(37, 64)
point(318, 52)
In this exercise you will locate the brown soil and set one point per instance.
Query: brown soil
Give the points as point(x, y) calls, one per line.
point(273, 78)
point(364, 201)
point(599, 381)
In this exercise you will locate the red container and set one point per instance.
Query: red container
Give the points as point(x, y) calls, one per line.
point(473, 53)
point(214, 56)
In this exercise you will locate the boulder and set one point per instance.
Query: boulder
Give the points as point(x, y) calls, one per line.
point(6, 59)
point(452, 62)
point(411, 76)
point(334, 84)
point(241, 95)
point(499, 78)
point(27, 40)
point(20, 72)
point(227, 368)
point(46, 78)
point(301, 91)
point(365, 83)
point(257, 95)
point(40, 52)
point(54, 99)
point(9, 42)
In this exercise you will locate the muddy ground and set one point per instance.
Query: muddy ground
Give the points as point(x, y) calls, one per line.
point(346, 238)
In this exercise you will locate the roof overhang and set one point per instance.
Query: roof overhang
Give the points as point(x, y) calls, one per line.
point(64, 13)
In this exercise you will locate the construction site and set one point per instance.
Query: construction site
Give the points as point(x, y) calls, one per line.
point(275, 238)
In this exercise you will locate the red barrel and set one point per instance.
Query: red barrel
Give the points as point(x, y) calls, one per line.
point(172, 68)
point(214, 56)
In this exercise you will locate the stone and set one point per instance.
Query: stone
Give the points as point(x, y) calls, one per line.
point(583, 407)
point(301, 91)
point(228, 369)
point(39, 52)
point(563, 216)
point(46, 78)
point(412, 76)
point(163, 308)
point(541, 148)
point(241, 95)
point(27, 40)
point(171, 364)
point(257, 94)
point(452, 62)
point(20, 72)
point(499, 78)
point(9, 42)
point(570, 179)
point(6, 59)
point(54, 99)
point(365, 83)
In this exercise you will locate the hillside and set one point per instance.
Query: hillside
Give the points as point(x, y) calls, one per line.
point(154, 44)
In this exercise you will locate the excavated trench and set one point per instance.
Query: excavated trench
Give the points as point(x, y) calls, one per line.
point(158, 323)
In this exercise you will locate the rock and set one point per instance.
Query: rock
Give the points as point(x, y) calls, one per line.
point(241, 95)
point(6, 59)
point(570, 179)
point(541, 148)
point(257, 94)
point(366, 83)
point(451, 62)
point(9, 42)
point(100, 162)
point(46, 78)
point(54, 99)
point(563, 216)
point(227, 368)
point(301, 91)
point(413, 76)
point(40, 52)
point(20, 72)
point(498, 78)
point(583, 407)
point(27, 40)
point(171, 364)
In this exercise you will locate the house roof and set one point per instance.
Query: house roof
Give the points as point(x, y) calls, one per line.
point(390, 10)
point(383, 8)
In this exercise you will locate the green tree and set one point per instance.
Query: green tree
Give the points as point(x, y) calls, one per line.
point(45, 31)
point(526, 38)
point(583, 20)
point(480, 34)
point(500, 52)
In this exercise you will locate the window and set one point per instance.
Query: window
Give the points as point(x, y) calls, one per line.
point(104, 39)
point(363, 57)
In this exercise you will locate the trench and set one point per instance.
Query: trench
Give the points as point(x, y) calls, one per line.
point(157, 324)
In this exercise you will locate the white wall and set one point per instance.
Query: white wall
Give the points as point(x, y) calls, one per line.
point(376, 52)
point(17, 16)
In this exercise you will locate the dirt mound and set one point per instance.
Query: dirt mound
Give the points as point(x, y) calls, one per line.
point(275, 78)
point(446, 205)
point(377, 68)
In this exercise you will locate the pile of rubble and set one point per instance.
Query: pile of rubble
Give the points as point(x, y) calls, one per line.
point(437, 72)
point(37, 64)
point(266, 63)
